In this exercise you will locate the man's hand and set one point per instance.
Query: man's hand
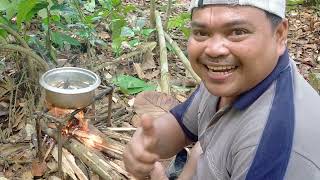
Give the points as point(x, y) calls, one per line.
point(139, 156)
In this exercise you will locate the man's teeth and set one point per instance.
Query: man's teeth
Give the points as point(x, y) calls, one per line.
point(221, 68)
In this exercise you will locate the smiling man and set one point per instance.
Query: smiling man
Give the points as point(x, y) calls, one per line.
point(253, 114)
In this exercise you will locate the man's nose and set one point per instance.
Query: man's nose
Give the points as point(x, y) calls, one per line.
point(216, 47)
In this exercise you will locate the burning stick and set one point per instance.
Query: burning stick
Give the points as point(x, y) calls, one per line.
point(96, 142)
point(91, 159)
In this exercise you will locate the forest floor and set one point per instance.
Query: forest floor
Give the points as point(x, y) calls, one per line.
point(17, 135)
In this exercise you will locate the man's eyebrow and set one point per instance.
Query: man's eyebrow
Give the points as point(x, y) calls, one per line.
point(197, 24)
point(237, 22)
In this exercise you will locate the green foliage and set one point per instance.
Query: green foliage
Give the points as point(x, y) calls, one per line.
point(292, 3)
point(180, 22)
point(60, 38)
point(27, 9)
point(134, 35)
point(131, 85)
point(60, 18)
point(314, 2)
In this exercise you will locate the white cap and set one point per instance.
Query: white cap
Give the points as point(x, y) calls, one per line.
point(277, 7)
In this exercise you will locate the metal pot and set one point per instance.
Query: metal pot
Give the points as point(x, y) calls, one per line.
point(70, 87)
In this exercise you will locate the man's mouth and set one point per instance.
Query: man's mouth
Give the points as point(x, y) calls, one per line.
point(222, 69)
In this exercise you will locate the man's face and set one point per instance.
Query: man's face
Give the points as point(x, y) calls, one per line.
point(232, 49)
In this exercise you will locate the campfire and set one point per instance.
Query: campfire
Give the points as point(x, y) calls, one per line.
point(70, 128)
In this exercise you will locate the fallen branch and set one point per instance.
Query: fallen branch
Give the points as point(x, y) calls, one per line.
point(164, 82)
point(28, 52)
point(15, 35)
point(183, 58)
point(26, 46)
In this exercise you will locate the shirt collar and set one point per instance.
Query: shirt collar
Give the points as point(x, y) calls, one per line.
point(247, 98)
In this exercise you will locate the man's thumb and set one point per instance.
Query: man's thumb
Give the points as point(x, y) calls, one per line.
point(147, 125)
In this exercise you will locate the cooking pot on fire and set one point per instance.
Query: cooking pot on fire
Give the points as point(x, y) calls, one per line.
point(70, 87)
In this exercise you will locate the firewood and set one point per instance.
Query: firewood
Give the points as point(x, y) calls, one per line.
point(116, 135)
point(86, 155)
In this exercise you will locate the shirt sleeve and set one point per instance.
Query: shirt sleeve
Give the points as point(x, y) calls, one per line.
point(186, 114)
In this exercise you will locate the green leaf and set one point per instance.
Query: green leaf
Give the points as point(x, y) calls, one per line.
point(11, 9)
point(4, 4)
point(179, 21)
point(131, 85)
point(3, 33)
point(89, 6)
point(169, 47)
point(116, 24)
point(146, 32)
point(107, 4)
point(127, 32)
point(116, 45)
point(134, 42)
point(129, 8)
point(116, 2)
point(186, 31)
point(294, 2)
point(39, 6)
point(141, 22)
point(24, 8)
point(60, 38)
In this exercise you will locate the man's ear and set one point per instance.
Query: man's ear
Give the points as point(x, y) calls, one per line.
point(281, 34)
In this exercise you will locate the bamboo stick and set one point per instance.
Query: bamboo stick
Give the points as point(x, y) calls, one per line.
point(168, 12)
point(183, 58)
point(164, 82)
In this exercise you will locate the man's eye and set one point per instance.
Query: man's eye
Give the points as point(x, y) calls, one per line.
point(200, 33)
point(239, 32)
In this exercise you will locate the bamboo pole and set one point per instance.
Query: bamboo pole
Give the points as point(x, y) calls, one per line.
point(152, 14)
point(168, 12)
point(164, 82)
point(183, 58)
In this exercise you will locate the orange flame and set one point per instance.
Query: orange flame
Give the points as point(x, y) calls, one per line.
point(83, 123)
point(60, 112)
